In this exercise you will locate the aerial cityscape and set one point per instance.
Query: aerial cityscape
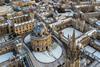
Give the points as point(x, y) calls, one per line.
point(49, 33)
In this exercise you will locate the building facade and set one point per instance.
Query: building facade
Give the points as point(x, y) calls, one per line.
point(42, 41)
point(22, 23)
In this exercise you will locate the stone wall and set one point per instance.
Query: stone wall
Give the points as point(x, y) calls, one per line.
point(20, 30)
point(41, 44)
point(6, 49)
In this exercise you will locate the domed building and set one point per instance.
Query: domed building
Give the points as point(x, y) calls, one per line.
point(45, 48)
point(40, 38)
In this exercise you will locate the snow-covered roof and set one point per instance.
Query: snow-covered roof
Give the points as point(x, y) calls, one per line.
point(98, 23)
point(89, 49)
point(19, 16)
point(79, 6)
point(61, 21)
point(91, 52)
point(5, 9)
point(27, 39)
point(89, 33)
point(68, 12)
point(49, 56)
point(97, 55)
point(30, 21)
point(3, 39)
point(69, 31)
point(26, 0)
point(97, 42)
point(6, 57)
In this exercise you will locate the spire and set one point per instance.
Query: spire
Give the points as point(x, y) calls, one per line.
point(73, 36)
point(74, 53)
point(73, 39)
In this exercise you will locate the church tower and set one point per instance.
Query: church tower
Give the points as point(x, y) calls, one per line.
point(73, 53)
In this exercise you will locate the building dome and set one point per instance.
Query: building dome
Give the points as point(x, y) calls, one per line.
point(40, 38)
point(39, 30)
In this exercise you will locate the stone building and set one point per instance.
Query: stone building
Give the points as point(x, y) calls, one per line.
point(7, 27)
point(41, 39)
point(4, 29)
point(22, 23)
point(45, 47)
point(73, 53)
point(9, 55)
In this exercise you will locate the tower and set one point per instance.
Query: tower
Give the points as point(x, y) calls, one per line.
point(73, 53)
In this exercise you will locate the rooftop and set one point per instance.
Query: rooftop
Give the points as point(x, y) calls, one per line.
point(6, 57)
point(49, 56)
point(69, 31)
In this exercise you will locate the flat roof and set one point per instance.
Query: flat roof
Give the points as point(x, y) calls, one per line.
point(49, 56)
point(69, 31)
point(97, 54)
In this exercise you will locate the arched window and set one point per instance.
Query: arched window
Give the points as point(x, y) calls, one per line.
point(47, 48)
point(38, 49)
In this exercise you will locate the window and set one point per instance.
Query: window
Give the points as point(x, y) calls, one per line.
point(61, 65)
point(46, 47)
point(38, 49)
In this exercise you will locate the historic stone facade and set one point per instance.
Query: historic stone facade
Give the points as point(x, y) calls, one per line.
point(24, 28)
point(42, 44)
point(44, 41)
point(22, 23)
point(73, 53)
point(3, 30)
